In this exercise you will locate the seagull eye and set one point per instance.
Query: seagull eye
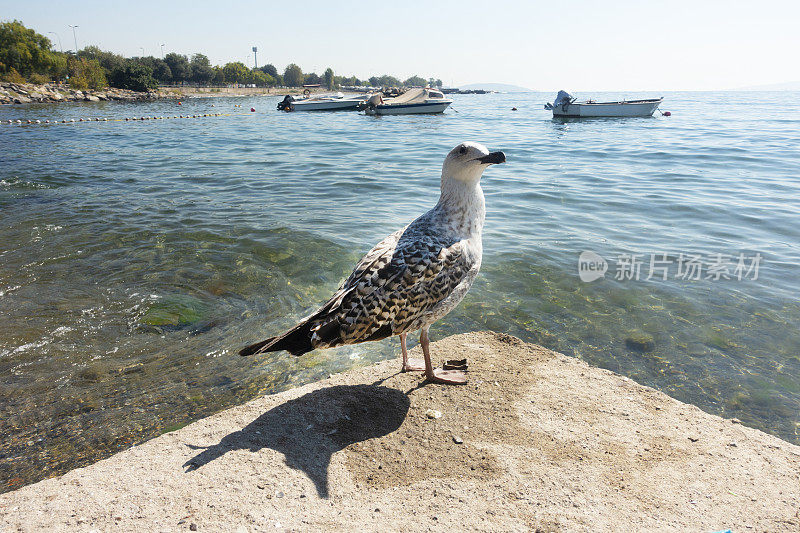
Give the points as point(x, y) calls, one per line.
point(462, 150)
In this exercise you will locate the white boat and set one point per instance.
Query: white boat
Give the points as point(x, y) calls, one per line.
point(567, 106)
point(413, 101)
point(325, 102)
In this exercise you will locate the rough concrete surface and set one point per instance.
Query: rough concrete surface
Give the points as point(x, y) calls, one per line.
point(535, 441)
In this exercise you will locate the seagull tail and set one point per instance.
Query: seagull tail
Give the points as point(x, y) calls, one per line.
point(255, 348)
point(296, 341)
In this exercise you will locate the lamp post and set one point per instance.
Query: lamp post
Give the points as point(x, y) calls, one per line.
point(75, 36)
point(162, 51)
point(59, 41)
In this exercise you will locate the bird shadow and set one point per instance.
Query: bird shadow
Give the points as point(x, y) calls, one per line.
point(310, 429)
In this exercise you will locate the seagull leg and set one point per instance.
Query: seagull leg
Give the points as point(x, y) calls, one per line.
point(410, 365)
point(438, 375)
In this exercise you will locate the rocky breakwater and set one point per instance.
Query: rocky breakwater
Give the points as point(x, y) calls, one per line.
point(26, 93)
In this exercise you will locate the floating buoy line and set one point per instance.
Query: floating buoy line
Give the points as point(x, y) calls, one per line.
point(125, 119)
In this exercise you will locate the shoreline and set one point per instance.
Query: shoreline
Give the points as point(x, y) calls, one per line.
point(29, 93)
point(535, 440)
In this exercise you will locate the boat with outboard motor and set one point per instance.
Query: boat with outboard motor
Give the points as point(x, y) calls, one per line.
point(413, 101)
point(324, 102)
point(565, 105)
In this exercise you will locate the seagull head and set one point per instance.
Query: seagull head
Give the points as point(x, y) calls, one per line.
point(467, 161)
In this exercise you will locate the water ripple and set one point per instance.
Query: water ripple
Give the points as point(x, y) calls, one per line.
point(136, 257)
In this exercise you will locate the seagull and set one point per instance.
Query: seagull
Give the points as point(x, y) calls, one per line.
point(410, 279)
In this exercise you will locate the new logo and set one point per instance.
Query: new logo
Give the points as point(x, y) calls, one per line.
point(591, 266)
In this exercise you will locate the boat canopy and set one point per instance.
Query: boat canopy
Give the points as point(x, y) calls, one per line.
point(411, 96)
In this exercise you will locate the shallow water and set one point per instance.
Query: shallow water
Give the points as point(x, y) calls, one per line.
point(137, 257)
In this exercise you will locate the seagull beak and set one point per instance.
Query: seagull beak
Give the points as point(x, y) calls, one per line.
point(492, 159)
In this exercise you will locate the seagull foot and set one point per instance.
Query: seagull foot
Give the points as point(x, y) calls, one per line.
point(414, 365)
point(448, 377)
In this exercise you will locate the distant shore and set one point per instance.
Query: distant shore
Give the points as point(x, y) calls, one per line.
point(239, 91)
point(535, 441)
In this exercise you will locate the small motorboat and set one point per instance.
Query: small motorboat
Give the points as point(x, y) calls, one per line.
point(567, 106)
point(324, 102)
point(413, 101)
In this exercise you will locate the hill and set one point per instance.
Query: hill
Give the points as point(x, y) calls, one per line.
point(786, 86)
point(500, 87)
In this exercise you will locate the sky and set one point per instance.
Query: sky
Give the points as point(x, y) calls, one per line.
point(577, 45)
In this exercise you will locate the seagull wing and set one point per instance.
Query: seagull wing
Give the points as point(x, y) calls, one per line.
point(396, 283)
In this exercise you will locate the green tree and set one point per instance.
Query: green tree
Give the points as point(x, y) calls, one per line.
point(293, 76)
point(161, 71)
point(202, 72)
point(179, 66)
point(12, 76)
point(388, 81)
point(236, 72)
point(312, 79)
point(261, 79)
point(219, 76)
point(159, 68)
point(24, 50)
point(269, 69)
point(352, 80)
point(108, 60)
point(86, 74)
point(330, 79)
point(439, 83)
point(59, 68)
point(415, 81)
point(134, 76)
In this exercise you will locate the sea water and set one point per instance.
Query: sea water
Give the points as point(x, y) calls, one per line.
point(137, 257)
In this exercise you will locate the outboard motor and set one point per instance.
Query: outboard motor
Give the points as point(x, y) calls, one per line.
point(374, 101)
point(563, 99)
point(286, 103)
